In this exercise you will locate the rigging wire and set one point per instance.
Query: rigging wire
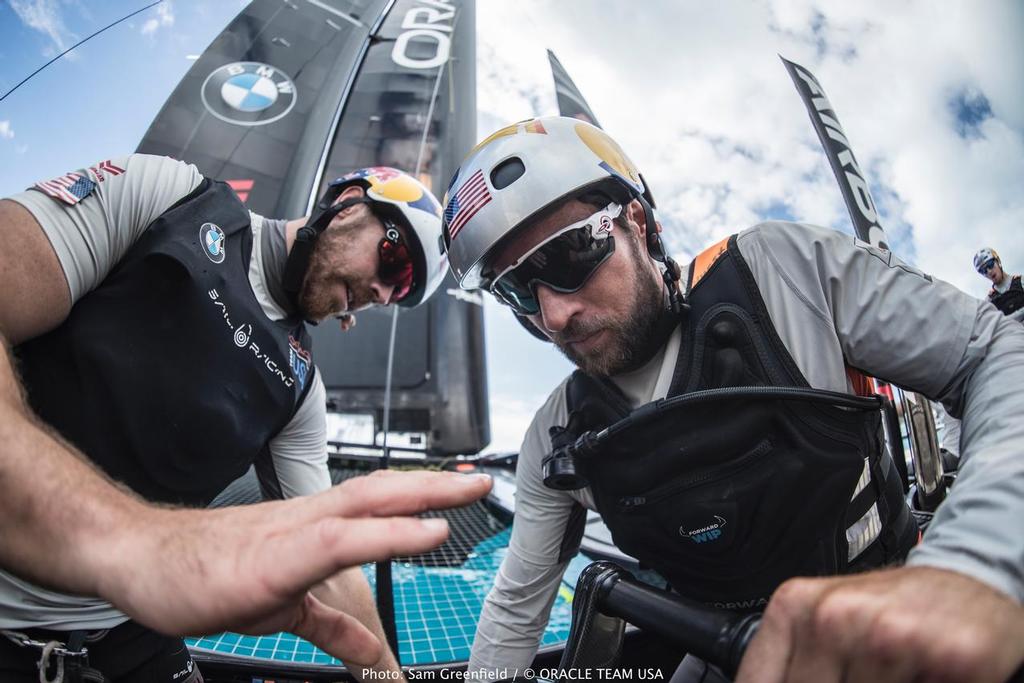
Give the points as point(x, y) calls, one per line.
point(29, 77)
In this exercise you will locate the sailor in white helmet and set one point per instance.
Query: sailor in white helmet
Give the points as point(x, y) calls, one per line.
point(159, 328)
point(1006, 294)
point(779, 473)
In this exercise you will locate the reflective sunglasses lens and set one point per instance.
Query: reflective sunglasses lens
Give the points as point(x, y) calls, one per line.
point(396, 267)
point(521, 300)
point(565, 264)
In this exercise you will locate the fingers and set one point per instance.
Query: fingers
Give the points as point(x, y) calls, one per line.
point(907, 624)
point(337, 633)
point(829, 632)
point(388, 493)
point(313, 552)
point(768, 654)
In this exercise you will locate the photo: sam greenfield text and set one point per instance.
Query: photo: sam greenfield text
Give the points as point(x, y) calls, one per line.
point(446, 674)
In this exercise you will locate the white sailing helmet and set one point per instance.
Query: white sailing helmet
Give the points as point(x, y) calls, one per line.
point(516, 173)
point(982, 258)
point(398, 196)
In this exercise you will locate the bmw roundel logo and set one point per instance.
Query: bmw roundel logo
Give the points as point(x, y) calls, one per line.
point(212, 238)
point(248, 93)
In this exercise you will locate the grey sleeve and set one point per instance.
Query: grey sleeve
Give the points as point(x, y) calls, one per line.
point(896, 323)
point(299, 451)
point(91, 236)
point(517, 608)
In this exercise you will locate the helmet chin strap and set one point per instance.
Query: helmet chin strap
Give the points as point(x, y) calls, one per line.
point(306, 237)
point(672, 273)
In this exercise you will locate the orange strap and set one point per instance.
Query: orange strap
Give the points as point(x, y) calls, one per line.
point(702, 264)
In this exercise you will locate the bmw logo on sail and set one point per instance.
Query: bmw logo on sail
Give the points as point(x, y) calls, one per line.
point(248, 93)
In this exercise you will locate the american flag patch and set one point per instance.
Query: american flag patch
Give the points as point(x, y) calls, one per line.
point(471, 197)
point(73, 187)
point(70, 188)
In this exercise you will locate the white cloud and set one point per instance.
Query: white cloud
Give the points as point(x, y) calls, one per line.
point(44, 16)
point(164, 17)
point(6, 132)
point(697, 96)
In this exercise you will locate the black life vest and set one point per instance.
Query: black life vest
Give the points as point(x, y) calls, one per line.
point(169, 375)
point(1011, 300)
point(743, 476)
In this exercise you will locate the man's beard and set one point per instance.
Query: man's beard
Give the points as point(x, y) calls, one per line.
point(632, 341)
point(317, 298)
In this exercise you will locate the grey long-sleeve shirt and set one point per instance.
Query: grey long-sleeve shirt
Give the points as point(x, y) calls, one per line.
point(834, 301)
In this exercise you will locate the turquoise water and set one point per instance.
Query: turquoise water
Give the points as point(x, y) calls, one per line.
point(436, 610)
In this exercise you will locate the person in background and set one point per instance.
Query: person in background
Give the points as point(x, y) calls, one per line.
point(1006, 294)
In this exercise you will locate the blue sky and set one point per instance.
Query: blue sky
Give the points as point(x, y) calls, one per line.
point(928, 93)
point(96, 102)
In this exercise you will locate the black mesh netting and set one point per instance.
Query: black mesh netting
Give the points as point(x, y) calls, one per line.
point(468, 526)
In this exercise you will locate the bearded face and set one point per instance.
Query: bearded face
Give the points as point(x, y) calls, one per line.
point(623, 339)
point(342, 267)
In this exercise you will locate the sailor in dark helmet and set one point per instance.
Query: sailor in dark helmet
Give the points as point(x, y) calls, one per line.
point(764, 464)
point(1006, 294)
point(159, 329)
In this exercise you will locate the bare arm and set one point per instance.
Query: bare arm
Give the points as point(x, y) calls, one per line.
point(29, 266)
point(36, 467)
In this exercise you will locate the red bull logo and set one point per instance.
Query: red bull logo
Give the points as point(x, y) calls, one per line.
point(391, 185)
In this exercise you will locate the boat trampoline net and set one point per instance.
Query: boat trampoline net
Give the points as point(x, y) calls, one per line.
point(468, 526)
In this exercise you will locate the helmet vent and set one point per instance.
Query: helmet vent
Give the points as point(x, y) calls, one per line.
point(507, 172)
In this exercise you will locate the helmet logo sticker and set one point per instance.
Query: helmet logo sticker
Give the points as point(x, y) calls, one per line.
point(528, 126)
point(466, 202)
point(391, 185)
point(613, 159)
point(212, 238)
point(248, 93)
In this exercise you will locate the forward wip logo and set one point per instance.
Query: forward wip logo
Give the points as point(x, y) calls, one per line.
point(706, 533)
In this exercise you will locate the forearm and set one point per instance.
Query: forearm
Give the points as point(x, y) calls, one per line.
point(57, 512)
point(513, 619)
point(350, 592)
point(979, 529)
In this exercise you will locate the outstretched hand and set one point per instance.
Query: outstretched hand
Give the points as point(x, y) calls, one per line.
point(248, 569)
point(906, 624)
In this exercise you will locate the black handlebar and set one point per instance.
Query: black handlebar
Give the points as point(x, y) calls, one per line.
point(715, 635)
point(718, 636)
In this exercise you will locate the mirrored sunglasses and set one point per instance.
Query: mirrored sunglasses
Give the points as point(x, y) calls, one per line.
point(565, 261)
point(396, 266)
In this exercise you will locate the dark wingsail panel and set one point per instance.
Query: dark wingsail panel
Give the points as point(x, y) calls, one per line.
point(261, 98)
point(293, 94)
point(833, 139)
point(570, 99)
